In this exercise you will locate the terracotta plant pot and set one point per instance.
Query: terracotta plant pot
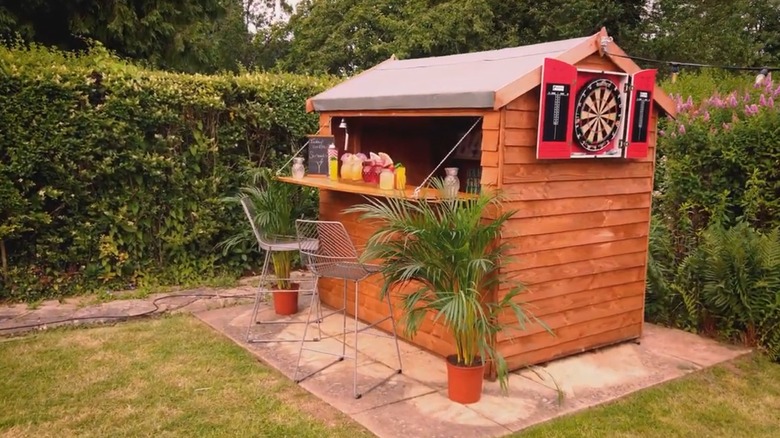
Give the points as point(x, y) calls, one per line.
point(286, 301)
point(464, 384)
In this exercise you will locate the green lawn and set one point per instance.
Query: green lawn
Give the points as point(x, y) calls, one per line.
point(164, 377)
point(739, 399)
point(175, 377)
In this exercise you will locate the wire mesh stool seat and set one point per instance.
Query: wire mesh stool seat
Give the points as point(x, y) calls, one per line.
point(272, 244)
point(328, 252)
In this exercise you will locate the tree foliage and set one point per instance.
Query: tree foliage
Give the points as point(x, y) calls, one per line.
point(186, 35)
point(344, 36)
point(737, 32)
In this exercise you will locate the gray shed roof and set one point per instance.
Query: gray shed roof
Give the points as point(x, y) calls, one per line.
point(468, 80)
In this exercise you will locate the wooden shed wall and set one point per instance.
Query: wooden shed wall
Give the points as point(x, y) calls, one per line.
point(579, 240)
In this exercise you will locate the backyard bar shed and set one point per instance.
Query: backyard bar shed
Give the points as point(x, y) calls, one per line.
point(566, 129)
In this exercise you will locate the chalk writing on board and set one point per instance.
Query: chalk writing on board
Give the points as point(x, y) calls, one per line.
point(318, 153)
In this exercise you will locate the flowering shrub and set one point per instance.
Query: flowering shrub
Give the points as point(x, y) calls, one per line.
point(717, 204)
point(720, 159)
point(111, 174)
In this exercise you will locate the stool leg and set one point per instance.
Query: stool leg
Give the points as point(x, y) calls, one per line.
point(395, 333)
point(312, 303)
point(344, 324)
point(315, 301)
point(355, 372)
point(263, 276)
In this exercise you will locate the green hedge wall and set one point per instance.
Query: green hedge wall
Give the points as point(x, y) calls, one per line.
point(714, 263)
point(111, 174)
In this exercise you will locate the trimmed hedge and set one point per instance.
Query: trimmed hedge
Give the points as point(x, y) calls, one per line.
point(111, 174)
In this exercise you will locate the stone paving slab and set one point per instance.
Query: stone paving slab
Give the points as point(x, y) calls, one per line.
point(686, 346)
point(19, 318)
point(416, 403)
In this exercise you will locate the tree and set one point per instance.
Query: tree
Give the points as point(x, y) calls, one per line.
point(345, 36)
point(736, 32)
point(186, 35)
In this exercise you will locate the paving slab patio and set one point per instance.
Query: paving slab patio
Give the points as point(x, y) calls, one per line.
point(415, 403)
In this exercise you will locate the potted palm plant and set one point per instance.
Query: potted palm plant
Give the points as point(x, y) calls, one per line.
point(276, 205)
point(452, 257)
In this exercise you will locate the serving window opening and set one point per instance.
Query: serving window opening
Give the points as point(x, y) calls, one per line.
point(419, 143)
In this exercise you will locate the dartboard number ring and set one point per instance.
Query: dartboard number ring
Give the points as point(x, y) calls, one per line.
point(597, 114)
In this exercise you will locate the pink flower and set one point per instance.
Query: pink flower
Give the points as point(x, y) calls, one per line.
point(770, 102)
point(681, 129)
point(733, 100)
point(762, 100)
point(746, 98)
point(661, 132)
point(706, 116)
point(727, 126)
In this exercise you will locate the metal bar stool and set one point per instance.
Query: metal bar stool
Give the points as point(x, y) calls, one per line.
point(328, 252)
point(270, 244)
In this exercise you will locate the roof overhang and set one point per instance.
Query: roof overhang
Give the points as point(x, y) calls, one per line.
point(574, 55)
point(528, 81)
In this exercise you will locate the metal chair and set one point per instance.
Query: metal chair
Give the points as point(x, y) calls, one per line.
point(328, 252)
point(270, 244)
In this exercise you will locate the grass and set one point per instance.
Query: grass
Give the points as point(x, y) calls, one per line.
point(170, 376)
point(738, 399)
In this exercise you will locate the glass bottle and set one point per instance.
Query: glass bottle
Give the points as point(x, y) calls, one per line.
point(451, 183)
point(298, 169)
point(333, 163)
point(400, 177)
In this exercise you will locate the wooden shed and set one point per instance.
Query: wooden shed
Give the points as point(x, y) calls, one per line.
point(566, 129)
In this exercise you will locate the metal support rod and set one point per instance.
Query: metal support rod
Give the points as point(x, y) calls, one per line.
point(295, 154)
point(416, 192)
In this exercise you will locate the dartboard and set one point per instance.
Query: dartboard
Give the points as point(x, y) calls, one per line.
point(597, 114)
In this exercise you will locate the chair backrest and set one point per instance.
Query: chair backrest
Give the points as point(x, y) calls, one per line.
point(249, 209)
point(324, 244)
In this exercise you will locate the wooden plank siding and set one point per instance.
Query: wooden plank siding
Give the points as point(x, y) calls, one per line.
point(371, 309)
point(578, 240)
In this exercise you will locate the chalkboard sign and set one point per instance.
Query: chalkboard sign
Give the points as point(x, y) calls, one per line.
point(318, 154)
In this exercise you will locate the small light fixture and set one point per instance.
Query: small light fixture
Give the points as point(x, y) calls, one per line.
point(761, 76)
point(343, 125)
point(675, 71)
